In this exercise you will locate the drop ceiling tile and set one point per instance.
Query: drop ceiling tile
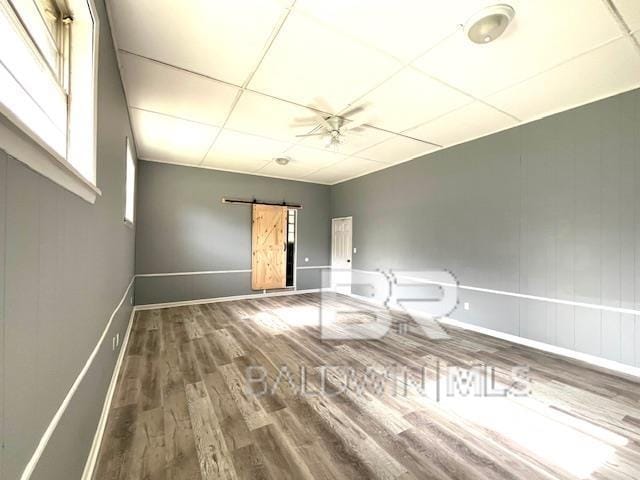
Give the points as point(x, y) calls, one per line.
point(543, 34)
point(304, 161)
point(352, 142)
point(407, 99)
point(396, 150)
point(464, 124)
point(262, 115)
point(164, 138)
point(309, 61)
point(238, 163)
point(232, 33)
point(611, 69)
point(314, 157)
point(348, 168)
point(295, 170)
point(403, 28)
point(239, 151)
point(630, 11)
point(325, 175)
point(157, 87)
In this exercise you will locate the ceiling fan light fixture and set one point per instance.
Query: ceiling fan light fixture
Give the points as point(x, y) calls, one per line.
point(332, 130)
point(332, 138)
point(489, 23)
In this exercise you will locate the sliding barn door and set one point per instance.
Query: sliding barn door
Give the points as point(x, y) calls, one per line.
point(269, 248)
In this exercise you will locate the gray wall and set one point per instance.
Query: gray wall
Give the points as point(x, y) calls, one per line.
point(551, 208)
point(184, 227)
point(64, 266)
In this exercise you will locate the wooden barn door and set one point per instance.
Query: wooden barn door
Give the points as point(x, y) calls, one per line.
point(269, 247)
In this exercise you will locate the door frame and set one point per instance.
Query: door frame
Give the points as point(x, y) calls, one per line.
point(341, 280)
point(350, 217)
point(295, 245)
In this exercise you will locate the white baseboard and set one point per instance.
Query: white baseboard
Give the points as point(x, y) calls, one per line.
point(92, 459)
point(200, 301)
point(594, 360)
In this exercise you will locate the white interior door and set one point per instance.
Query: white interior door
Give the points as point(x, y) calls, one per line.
point(341, 249)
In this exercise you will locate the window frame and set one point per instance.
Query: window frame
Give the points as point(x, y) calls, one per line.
point(129, 152)
point(58, 44)
point(16, 133)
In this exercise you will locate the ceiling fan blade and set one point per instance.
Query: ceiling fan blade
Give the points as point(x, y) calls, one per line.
point(305, 126)
point(355, 110)
point(303, 121)
point(323, 122)
point(312, 134)
point(323, 105)
point(354, 125)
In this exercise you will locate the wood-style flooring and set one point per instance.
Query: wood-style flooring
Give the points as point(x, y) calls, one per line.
point(183, 408)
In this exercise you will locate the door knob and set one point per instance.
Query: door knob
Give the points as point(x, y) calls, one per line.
point(348, 260)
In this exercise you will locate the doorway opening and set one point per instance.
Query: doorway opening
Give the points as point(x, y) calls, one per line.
point(291, 247)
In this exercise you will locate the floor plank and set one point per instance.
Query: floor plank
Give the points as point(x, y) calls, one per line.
point(213, 455)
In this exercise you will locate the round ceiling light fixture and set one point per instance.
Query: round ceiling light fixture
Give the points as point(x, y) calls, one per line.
point(489, 23)
point(283, 160)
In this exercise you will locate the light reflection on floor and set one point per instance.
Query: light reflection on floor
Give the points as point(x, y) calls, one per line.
point(577, 446)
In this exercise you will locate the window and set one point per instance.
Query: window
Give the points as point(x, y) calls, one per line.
point(48, 75)
point(130, 185)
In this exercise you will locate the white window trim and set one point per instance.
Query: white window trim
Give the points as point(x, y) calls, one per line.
point(17, 139)
point(37, 157)
point(129, 148)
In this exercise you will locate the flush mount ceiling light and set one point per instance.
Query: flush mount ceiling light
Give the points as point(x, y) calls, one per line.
point(489, 23)
point(283, 160)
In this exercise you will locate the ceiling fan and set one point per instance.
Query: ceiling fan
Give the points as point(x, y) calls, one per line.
point(333, 129)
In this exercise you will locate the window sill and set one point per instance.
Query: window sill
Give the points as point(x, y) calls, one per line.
point(38, 158)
